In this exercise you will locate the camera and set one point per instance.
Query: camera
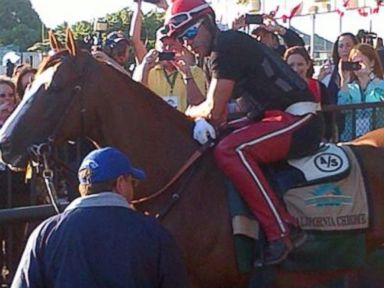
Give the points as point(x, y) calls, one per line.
point(254, 19)
point(166, 56)
point(350, 66)
point(366, 37)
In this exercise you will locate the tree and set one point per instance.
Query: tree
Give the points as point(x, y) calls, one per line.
point(119, 21)
point(20, 25)
point(82, 29)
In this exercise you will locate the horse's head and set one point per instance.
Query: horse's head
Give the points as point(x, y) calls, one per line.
point(47, 103)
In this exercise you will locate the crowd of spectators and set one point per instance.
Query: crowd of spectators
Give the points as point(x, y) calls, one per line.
point(173, 72)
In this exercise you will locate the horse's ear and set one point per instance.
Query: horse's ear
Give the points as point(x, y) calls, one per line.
point(53, 42)
point(70, 42)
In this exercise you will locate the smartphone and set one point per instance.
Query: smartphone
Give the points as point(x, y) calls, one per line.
point(254, 19)
point(166, 56)
point(350, 66)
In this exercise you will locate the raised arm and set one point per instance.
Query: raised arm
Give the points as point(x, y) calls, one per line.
point(135, 33)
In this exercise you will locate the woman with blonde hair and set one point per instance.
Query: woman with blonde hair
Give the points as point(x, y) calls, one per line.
point(362, 86)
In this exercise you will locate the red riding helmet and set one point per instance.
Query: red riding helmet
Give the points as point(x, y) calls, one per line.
point(184, 13)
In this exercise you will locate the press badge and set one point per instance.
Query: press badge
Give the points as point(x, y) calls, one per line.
point(172, 101)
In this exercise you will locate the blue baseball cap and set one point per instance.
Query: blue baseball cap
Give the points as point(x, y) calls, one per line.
point(115, 37)
point(107, 164)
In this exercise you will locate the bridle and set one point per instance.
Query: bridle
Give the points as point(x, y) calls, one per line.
point(42, 152)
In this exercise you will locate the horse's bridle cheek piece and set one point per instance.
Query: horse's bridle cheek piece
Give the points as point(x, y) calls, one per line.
point(40, 153)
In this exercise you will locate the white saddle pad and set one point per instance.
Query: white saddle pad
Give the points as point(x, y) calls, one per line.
point(329, 161)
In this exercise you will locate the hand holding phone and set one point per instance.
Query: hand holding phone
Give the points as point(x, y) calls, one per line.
point(350, 66)
point(166, 56)
point(254, 19)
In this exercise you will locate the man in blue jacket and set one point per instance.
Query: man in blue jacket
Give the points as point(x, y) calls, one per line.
point(99, 240)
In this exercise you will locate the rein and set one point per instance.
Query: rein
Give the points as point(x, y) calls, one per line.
point(196, 155)
point(43, 151)
point(177, 195)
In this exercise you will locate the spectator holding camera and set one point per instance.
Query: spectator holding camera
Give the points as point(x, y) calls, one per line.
point(135, 30)
point(169, 70)
point(329, 72)
point(361, 82)
point(269, 32)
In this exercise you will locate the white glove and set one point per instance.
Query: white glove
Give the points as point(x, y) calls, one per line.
point(203, 131)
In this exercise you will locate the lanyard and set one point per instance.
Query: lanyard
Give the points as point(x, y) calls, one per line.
point(171, 80)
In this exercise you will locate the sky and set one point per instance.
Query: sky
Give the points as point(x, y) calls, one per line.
point(55, 12)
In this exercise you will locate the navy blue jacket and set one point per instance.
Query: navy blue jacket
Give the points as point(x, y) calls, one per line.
point(102, 246)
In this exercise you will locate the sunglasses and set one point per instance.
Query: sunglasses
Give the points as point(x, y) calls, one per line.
point(191, 32)
point(3, 95)
point(183, 18)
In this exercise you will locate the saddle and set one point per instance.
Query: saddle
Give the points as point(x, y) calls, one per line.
point(325, 192)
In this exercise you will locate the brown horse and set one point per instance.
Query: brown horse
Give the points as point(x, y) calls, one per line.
point(73, 95)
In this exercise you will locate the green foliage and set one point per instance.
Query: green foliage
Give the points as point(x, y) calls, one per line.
point(119, 20)
point(60, 32)
point(82, 29)
point(20, 25)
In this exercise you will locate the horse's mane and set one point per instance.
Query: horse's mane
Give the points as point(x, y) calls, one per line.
point(152, 100)
point(52, 60)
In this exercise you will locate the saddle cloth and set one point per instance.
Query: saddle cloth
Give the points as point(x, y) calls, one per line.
point(329, 162)
point(340, 205)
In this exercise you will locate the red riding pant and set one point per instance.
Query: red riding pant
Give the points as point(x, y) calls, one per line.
point(240, 154)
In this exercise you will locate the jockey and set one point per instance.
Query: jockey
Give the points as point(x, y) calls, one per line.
point(282, 120)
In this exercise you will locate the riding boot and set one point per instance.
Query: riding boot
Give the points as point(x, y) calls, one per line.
point(278, 250)
point(297, 236)
point(275, 252)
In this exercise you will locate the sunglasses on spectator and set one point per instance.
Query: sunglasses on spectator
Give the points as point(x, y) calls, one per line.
point(180, 19)
point(3, 95)
point(191, 32)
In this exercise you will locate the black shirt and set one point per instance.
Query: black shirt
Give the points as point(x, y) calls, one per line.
point(257, 70)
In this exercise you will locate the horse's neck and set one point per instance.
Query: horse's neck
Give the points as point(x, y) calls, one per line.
point(156, 137)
